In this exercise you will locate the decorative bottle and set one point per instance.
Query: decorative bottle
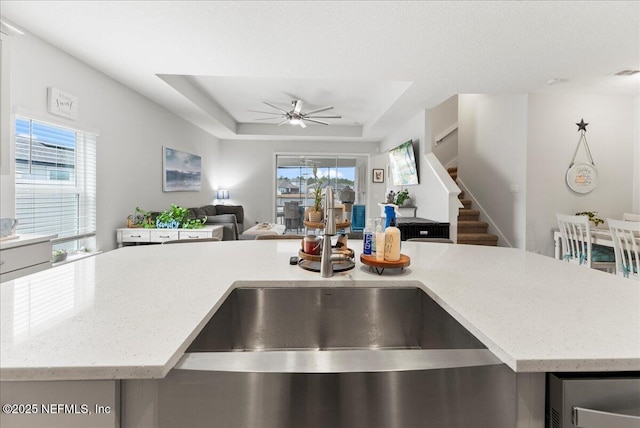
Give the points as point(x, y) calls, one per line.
point(392, 242)
point(367, 238)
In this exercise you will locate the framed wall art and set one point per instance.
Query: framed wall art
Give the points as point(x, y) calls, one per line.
point(378, 175)
point(181, 171)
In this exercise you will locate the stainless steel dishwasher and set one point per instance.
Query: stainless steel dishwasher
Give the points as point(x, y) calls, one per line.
point(336, 357)
point(593, 400)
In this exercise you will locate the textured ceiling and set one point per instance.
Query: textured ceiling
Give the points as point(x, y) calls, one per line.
point(377, 63)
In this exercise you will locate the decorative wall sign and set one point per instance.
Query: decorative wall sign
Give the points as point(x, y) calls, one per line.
point(582, 177)
point(61, 103)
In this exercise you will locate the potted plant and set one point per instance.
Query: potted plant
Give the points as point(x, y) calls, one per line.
point(140, 218)
point(178, 217)
point(402, 198)
point(315, 215)
point(58, 255)
point(172, 218)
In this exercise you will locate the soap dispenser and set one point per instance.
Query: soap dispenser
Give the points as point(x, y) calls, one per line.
point(392, 242)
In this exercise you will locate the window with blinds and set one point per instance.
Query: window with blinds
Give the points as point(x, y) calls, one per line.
point(55, 181)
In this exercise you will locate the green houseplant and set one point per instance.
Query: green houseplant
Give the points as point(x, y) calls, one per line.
point(176, 217)
point(402, 197)
point(140, 218)
point(171, 218)
point(194, 223)
point(592, 217)
point(315, 215)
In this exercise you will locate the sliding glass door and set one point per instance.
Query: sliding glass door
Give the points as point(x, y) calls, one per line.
point(294, 178)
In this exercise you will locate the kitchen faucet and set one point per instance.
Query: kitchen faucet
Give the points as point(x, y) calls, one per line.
point(327, 260)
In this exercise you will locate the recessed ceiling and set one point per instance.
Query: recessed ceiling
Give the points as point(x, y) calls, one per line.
point(356, 100)
point(377, 62)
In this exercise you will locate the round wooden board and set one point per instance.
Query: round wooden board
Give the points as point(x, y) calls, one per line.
point(317, 258)
point(371, 261)
point(320, 225)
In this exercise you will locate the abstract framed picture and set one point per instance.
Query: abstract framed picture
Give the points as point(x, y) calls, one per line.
point(378, 175)
point(181, 171)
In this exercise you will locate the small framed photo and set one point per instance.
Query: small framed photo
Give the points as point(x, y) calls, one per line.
point(378, 175)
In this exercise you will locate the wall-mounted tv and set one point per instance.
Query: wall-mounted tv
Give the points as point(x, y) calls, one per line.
point(402, 161)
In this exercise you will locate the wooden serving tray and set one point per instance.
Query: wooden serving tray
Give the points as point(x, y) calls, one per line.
point(320, 225)
point(381, 265)
point(316, 258)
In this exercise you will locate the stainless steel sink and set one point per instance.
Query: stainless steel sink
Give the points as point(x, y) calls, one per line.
point(340, 357)
point(279, 319)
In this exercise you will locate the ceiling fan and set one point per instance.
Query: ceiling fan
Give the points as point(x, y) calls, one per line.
point(296, 116)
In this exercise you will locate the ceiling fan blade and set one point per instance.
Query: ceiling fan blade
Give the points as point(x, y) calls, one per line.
point(297, 106)
point(335, 116)
point(266, 118)
point(277, 108)
point(302, 124)
point(283, 122)
point(316, 121)
point(318, 110)
point(265, 112)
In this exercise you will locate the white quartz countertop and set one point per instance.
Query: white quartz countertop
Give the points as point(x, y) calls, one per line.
point(132, 312)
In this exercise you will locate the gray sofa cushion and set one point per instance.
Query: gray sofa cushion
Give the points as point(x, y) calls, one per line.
point(237, 210)
point(210, 210)
point(197, 213)
point(228, 221)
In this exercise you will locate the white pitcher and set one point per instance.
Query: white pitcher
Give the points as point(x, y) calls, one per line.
point(7, 226)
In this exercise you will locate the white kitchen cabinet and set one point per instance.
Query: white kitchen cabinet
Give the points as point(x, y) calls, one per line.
point(24, 255)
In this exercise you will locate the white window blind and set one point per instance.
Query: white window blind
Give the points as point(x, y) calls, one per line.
point(55, 180)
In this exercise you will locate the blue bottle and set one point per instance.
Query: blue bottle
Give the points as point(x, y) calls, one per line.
point(390, 213)
point(367, 238)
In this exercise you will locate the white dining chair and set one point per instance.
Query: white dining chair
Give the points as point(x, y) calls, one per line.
point(630, 217)
point(577, 246)
point(626, 241)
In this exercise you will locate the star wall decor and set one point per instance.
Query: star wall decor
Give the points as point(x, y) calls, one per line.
point(582, 177)
point(582, 126)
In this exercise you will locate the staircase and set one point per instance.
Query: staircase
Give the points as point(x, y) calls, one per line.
point(470, 229)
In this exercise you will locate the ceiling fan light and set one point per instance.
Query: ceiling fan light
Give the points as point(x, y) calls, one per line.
point(294, 121)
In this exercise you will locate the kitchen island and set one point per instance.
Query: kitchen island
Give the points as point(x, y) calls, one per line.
point(131, 313)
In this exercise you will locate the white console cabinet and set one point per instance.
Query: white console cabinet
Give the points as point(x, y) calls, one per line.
point(24, 255)
point(141, 235)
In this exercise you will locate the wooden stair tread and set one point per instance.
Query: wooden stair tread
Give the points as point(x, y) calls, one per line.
point(468, 214)
point(472, 223)
point(478, 239)
point(477, 236)
point(472, 226)
point(452, 169)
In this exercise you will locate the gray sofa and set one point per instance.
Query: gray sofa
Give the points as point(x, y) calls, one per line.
point(229, 216)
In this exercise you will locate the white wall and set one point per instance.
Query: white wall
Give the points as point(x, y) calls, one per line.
point(492, 141)
point(552, 139)
point(413, 129)
point(248, 171)
point(431, 196)
point(442, 118)
point(132, 132)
